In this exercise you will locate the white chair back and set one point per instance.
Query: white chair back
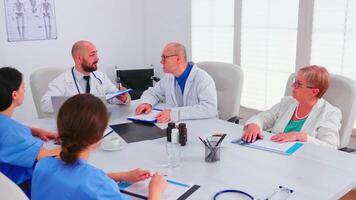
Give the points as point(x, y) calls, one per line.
point(342, 94)
point(228, 80)
point(9, 190)
point(39, 82)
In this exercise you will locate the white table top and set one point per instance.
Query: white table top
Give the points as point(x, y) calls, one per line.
point(313, 172)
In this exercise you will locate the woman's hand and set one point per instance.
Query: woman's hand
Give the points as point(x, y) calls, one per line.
point(43, 134)
point(289, 137)
point(157, 185)
point(136, 175)
point(252, 133)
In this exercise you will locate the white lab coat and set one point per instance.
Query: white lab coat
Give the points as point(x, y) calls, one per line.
point(199, 98)
point(64, 85)
point(322, 125)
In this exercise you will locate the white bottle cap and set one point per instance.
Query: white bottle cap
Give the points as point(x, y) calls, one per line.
point(175, 136)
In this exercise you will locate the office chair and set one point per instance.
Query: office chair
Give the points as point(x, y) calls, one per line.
point(138, 80)
point(39, 80)
point(342, 94)
point(228, 80)
point(9, 190)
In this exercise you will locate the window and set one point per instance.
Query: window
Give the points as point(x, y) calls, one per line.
point(276, 38)
point(268, 49)
point(212, 30)
point(334, 36)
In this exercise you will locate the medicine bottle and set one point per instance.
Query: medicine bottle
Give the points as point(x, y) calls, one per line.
point(183, 135)
point(170, 126)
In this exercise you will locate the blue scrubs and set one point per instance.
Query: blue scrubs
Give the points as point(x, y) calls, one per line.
point(54, 179)
point(18, 150)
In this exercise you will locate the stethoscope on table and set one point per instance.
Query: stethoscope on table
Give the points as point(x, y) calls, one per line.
point(248, 196)
point(75, 80)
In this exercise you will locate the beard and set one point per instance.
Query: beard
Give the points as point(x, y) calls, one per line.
point(89, 67)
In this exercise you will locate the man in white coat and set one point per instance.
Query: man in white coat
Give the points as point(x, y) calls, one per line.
point(187, 89)
point(82, 78)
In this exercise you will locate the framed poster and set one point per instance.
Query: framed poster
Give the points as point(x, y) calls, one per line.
point(30, 20)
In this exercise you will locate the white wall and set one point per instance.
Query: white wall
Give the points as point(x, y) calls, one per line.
point(127, 33)
point(165, 21)
point(115, 27)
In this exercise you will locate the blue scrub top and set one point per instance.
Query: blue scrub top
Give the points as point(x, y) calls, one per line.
point(18, 150)
point(54, 179)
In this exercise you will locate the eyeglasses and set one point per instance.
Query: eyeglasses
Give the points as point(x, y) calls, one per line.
point(164, 57)
point(297, 84)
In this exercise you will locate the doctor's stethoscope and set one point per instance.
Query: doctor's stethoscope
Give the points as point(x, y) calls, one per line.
point(75, 80)
point(241, 193)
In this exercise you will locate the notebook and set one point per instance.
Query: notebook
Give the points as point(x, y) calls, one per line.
point(286, 148)
point(148, 118)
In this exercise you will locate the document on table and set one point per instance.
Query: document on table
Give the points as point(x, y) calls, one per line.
point(175, 189)
point(150, 117)
point(286, 148)
point(117, 93)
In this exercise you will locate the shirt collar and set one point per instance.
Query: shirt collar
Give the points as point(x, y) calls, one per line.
point(186, 72)
point(78, 75)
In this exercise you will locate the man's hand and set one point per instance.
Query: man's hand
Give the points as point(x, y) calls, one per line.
point(164, 116)
point(143, 108)
point(43, 134)
point(123, 98)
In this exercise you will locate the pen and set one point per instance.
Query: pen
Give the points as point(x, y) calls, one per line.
point(118, 81)
point(221, 139)
point(211, 146)
point(161, 175)
point(108, 133)
point(204, 142)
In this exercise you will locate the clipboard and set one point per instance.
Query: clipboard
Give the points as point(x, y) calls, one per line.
point(175, 189)
point(117, 93)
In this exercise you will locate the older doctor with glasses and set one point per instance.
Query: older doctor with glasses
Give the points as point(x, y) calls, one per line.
point(305, 116)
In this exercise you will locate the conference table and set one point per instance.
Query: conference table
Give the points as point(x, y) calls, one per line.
point(312, 172)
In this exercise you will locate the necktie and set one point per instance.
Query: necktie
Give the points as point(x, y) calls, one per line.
point(87, 78)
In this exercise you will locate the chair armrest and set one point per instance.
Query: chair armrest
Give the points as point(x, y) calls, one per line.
point(235, 119)
point(347, 149)
point(156, 79)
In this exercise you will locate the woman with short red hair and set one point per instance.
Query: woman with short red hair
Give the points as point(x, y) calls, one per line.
point(305, 116)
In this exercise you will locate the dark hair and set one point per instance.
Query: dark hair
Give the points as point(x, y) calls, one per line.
point(81, 121)
point(10, 81)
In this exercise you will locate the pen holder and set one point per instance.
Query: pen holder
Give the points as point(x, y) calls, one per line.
point(212, 154)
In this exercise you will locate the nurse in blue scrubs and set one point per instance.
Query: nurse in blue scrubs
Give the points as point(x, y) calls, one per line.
point(81, 122)
point(19, 150)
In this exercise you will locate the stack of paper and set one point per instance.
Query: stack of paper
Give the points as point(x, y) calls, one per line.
point(267, 144)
